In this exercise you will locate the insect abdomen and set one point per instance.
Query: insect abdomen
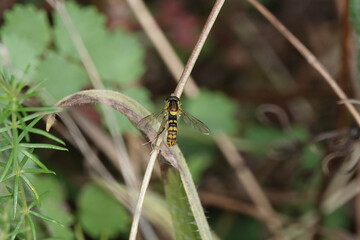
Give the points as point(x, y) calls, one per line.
point(172, 130)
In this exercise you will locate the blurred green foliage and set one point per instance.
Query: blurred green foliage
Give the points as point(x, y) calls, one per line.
point(30, 26)
point(100, 214)
point(215, 109)
point(50, 54)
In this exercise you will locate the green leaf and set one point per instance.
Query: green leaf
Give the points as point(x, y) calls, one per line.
point(42, 145)
point(7, 167)
point(180, 210)
point(60, 76)
point(117, 56)
point(21, 52)
point(32, 188)
point(45, 218)
point(17, 228)
point(16, 192)
point(11, 175)
point(37, 170)
point(100, 213)
point(29, 24)
point(34, 159)
point(32, 226)
point(46, 134)
point(4, 198)
point(26, 128)
point(4, 129)
point(36, 115)
point(214, 109)
point(4, 148)
point(53, 206)
point(6, 137)
point(88, 23)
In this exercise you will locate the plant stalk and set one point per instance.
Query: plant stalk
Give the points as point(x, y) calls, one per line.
point(199, 45)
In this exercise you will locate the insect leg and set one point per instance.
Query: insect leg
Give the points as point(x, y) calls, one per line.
point(161, 130)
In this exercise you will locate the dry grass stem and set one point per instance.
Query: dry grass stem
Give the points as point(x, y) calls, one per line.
point(312, 60)
point(197, 49)
point(78, 43)
point(229, 204)
point(144, 186)
point(162, 45)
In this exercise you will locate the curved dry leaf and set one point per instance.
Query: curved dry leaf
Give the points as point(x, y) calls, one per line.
point(125, 105)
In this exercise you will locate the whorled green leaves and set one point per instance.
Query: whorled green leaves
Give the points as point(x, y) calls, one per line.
point(19, 161)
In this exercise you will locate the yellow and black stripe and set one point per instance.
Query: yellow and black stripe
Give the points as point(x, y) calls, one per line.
point(172, 108)
point(172, 130)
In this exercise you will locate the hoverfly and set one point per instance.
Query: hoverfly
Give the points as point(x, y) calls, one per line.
point(170, 114)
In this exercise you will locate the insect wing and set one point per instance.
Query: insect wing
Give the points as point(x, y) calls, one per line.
point(196, 123)
point(149, 119)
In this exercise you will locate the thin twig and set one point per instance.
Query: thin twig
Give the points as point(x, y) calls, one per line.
point(229, 204)
point(162, 45)
point(344, 76)
point(144, 186)
point(197, 49)
point(312, 60)
point(78, 43)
